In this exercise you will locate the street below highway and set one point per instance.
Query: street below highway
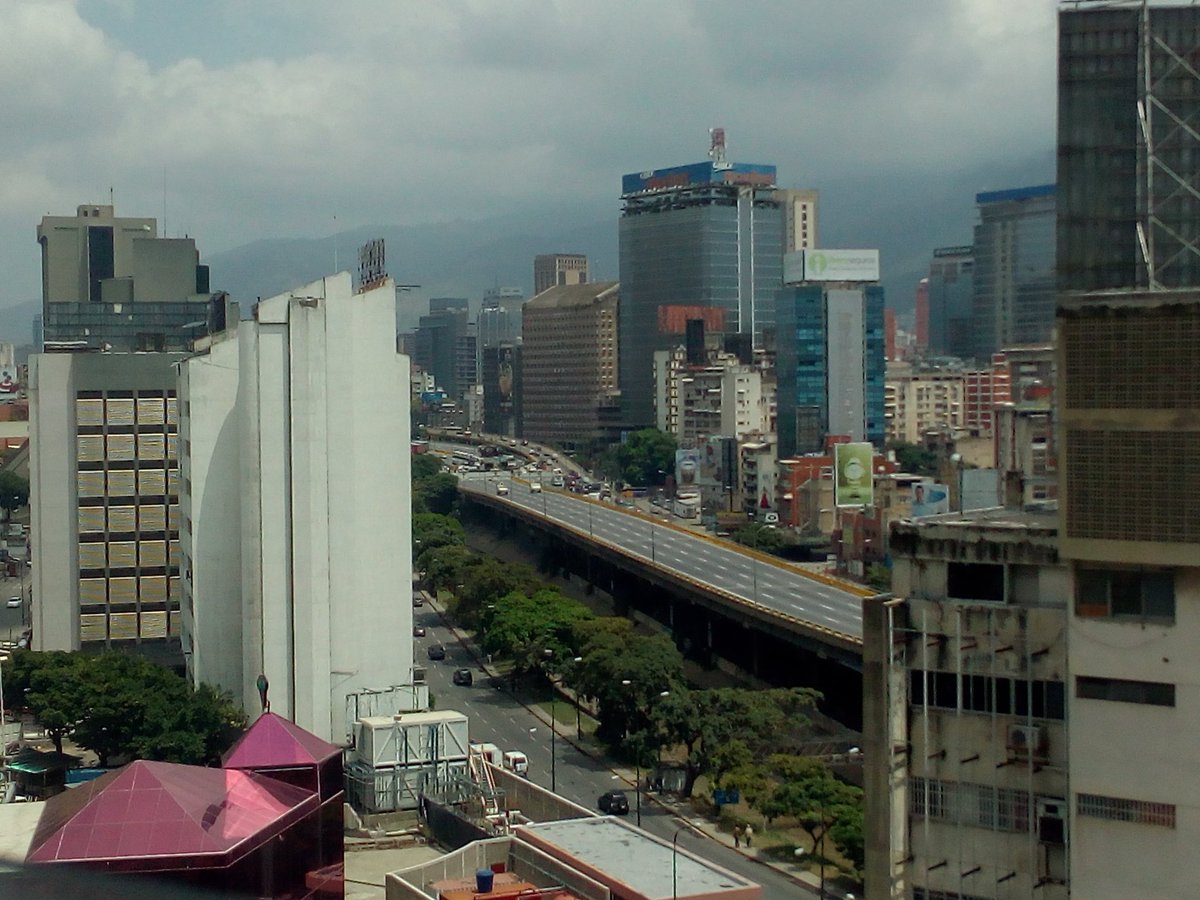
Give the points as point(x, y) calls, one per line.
point(496, 715)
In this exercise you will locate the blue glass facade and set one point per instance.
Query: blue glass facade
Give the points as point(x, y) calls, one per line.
point(803, 364)
point(715, 245)
point(952, 302)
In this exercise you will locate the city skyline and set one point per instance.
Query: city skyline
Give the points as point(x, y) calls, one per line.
point(238, 124)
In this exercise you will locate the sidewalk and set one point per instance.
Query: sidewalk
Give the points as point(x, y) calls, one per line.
point(700, 824)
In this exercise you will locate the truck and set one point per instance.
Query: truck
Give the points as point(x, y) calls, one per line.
point(488, 751)
point(686, 506)
point(517, 762)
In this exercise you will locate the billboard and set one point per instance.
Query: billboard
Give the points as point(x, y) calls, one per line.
point(698, 173)
point(687, 469)
point(840, 265)
point(930, 498)
point(854, 480)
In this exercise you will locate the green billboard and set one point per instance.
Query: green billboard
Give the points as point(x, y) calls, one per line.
point(854, 481)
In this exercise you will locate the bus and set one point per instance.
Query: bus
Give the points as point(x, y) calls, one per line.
point(465, 458)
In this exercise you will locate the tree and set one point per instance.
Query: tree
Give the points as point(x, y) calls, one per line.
point(705, 722)
point(116, 704)
point(14, 492)
point(759, 537)
point(915, 459)
point(879, 577)
point(445, 567)
point(808, 791)
point(524, 627)
point(614, 654)
point(646, 457)
point(487, 582)
point(431, 531)
point(439, 494)
point(425, 466)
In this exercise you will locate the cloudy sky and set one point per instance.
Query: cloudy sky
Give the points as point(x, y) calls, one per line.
point(298, 118)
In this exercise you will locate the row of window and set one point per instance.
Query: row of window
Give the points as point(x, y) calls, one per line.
point(988, 694)
point(128, 519)
point(1125, 594)
point(966, 803)
point(1122, 690)
point(116, 590)
point(145, 446)
point(1119, 809)
point(152, 410)
point(129, 626)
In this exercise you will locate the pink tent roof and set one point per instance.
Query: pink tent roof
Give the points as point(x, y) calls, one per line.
point(274, 741)
point(157, 812)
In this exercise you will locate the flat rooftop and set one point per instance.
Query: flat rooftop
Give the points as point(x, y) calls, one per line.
point(638, 860)
point(1042, 518)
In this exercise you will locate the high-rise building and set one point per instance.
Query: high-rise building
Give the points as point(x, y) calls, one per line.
point(296, 516)
point(112, 283)
point(830, 365)
point(1128, 329)
point(445, 345)
point(949, 292)
point(120, 305)
point(501, 377)
point(569, 364)
point(1014, 269)
point(555, 269)
point(711, 234)
point(921, 316)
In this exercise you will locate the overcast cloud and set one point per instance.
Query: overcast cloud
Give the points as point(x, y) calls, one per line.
point(269, 118)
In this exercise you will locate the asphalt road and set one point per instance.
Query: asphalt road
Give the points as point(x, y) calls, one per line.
point(723, 566)
point(499, 717)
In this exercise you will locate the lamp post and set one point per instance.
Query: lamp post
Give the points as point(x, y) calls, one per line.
point(675, 856)
point(549, 654)
point(637, 762)
point(578, 716)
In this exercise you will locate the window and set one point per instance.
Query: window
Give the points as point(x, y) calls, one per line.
point(1152, 693)
point(975, 581)
point(1116, 809)
point(1129, 595)
point(988, 694)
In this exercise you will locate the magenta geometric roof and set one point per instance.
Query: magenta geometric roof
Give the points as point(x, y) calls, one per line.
point(156, 812)
point(274, 741)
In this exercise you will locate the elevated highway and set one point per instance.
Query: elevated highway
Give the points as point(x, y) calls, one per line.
point(758, 591)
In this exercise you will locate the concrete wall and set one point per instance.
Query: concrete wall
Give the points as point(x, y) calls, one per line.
point(164, 269)
point(321, 480)
point(53, 502)
point(210, 521)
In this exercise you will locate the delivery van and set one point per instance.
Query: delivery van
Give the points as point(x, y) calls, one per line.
point(518, 762)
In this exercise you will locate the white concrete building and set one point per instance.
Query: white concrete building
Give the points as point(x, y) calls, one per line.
point(296, 529)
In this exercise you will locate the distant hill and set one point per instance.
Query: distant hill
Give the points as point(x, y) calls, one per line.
point(16, 322)
point(452, 259)
point(904, 215)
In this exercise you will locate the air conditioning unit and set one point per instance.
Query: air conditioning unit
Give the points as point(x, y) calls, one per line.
point(1051, 824)
point(1027, 742)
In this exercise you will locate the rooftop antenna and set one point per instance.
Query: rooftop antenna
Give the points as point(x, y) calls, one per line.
point(716, 147)
point(164, 233)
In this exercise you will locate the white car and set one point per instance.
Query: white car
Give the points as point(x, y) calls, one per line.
point(14, 603)
point(502, 490)
point(535, 487)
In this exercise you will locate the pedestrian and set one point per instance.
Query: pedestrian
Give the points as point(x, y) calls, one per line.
point(748, 833)
point(737, 835)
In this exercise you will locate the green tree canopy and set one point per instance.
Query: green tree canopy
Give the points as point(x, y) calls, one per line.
point(121, 705)
point(646, 457)
point(705, 722)
point(490, 580)
point(432, 530)
point(535, 632)
point(14, 491)
point(438, 494)
point(613, 654)
point(915, 459)
point(759, 537)
point(425, 466)
point(808, 791)
point(447, 567)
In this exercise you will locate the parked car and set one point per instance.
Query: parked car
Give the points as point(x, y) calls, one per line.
point(613, 803)
point(418, 600)
point(418, 631)
point(14, 602)
point(502, 490)
point(436, 651)
point(535, 487)
point(463, 677)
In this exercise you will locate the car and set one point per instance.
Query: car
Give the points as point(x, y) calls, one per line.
point(535, 487)
point(613, 803)
point(502, 490)
point(418, 631)
point(436, 651)
point(463, 677)
point(14, 603)
point(418, 600)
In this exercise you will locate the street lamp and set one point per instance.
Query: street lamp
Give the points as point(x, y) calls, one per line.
point(578, 716)
point(637, 762)
point(549, 654)
point(675, 856)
